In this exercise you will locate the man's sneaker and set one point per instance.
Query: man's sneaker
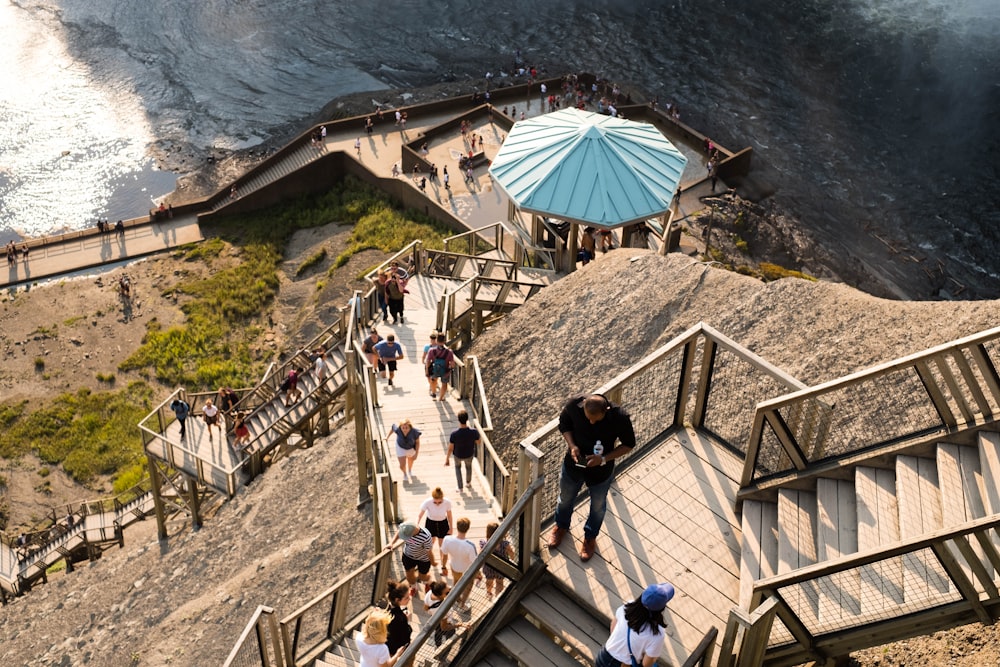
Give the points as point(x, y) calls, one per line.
point(588, 548)
point(556, 538)
point(390, 382)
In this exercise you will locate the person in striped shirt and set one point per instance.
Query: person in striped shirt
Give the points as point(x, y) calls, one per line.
point(417, 556)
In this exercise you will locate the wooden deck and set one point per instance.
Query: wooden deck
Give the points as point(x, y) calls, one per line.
point(670, 518)
point(409, 398)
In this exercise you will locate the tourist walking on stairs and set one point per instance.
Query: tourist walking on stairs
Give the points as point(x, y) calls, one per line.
point(407, 446)
point(462, 444)
point(371, 641)
point(635, 630)
point(437, 509)
point(590, 425)
point(418, 559)
point(440, 362)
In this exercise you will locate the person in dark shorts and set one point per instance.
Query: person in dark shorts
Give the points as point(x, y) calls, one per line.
point(437, 508)
point(417, 555)
point(389, 352)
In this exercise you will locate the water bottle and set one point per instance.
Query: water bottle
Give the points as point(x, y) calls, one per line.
point(598, 448)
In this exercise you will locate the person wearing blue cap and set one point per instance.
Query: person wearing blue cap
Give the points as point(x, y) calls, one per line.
point(635, 630)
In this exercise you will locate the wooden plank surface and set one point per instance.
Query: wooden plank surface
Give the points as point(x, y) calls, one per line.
point(919, 502)
point(408, 399)
point(670, 518)
point(531, 647)
point(878, 523)
point(836, 536)
point(567, 620)
point(961, 494)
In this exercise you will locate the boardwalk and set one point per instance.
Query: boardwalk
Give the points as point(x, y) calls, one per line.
point(409, 398)
point(670, 518)
point(73, 252)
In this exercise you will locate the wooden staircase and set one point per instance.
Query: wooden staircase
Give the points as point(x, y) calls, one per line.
point(273, 170)
point(877, 506)
point(550, 629)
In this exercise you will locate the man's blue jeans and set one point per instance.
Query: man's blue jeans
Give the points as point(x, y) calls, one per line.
point(568, 491)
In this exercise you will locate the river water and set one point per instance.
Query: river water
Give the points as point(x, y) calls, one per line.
point(868, 117)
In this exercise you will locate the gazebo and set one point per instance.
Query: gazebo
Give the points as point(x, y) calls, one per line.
point(587, 169)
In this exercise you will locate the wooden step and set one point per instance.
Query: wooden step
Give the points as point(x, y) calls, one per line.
point(797, 548)
point(334, 660)
point(759, 558)
point(564, 618)
point(348, 650)
point(878, 524)
point(530, 647)
point(496, 659)
point(959, 479)
point(919, 500)
point(836, 536)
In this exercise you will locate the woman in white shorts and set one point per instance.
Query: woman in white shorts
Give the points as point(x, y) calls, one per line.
point(407, 446)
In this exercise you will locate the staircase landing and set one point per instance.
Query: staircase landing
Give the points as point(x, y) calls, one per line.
point(670, 518)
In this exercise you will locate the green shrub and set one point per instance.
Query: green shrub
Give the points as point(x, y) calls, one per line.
point(311, 261)
point(774, 272)
point(88, 433)
point(39, 363)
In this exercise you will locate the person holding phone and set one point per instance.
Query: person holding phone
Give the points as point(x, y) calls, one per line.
point(590, 425)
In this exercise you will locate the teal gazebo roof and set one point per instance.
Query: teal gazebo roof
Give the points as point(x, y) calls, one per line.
point(588, 168)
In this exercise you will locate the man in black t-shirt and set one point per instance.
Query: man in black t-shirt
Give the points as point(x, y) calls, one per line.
point(590, 425)
point(462, 444)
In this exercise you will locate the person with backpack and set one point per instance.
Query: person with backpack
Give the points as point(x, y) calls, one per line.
point(290, 387)
point(395, 289)
point(181, 410)
point(440, 362)
point(368, 347)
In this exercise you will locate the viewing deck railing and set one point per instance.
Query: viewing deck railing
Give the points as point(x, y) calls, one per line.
point(824, 608)
point(919, 397)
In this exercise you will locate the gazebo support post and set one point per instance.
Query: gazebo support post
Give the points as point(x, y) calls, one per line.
point(572, 247)
point(666, 224)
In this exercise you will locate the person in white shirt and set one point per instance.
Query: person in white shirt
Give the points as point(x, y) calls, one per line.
point(635, 630)
point(438, 511)
point(211, 415)
point(371, 641)
point(461, 551)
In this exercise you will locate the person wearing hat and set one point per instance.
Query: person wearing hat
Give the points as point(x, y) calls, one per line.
point(417, 555)
point(635, 630)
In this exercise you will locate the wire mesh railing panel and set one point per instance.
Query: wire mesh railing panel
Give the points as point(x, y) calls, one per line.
point(248, 655)
point(553, 447)
point(880, 591)
point(737, 386)
point(880, 410)
point(650, 397)
point(312, 625)
point(467, 607)
point(772, 457)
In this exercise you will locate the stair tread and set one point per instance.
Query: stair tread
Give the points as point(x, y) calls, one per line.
point(796, 529)
point(530, 646)
point(878, 523)
point(496, 659)
point(836, 536)
point(759, 546)
point(919, 501)
point(565, 618)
